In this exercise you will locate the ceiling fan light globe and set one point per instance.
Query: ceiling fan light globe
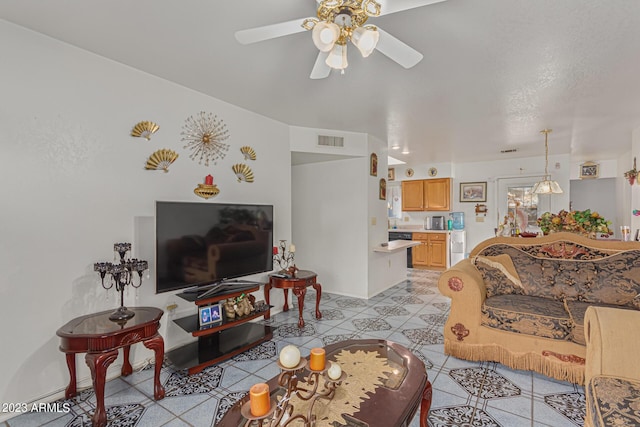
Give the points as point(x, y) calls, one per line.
point(337, 58)
point(365, 39)
point(325, 35)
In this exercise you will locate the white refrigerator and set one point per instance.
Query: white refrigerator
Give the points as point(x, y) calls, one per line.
point(457, 246)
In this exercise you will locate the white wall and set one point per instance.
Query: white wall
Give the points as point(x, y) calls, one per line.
point(382, 272)
point(330, 210)
point(329, 207)
point(633, 192)
point(73, 183)
point(599, 195)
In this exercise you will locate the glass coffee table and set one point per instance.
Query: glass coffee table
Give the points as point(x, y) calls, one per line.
point(384, 385)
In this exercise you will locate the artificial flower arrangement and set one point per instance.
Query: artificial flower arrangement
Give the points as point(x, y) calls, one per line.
point(632, 174)
point(583, 222)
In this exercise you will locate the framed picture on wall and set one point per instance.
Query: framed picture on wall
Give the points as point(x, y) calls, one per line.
point(391, 175)
point(374, 164)
point(473, 191)
point(589, 170)
point(383, 189)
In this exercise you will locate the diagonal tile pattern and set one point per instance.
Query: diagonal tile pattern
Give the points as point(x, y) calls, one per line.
point(411, 313)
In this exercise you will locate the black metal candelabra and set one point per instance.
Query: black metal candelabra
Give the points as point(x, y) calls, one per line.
point(283, 257)
point(122, 275)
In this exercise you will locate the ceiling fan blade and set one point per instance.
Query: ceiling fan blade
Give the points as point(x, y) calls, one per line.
point(393, 6)
point(397, 50)
point(320, 69)
point(258, 34)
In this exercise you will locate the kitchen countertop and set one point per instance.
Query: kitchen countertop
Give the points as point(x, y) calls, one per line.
point(396, 245)
point(415, 230)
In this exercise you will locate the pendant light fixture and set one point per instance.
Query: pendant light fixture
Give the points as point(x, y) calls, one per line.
point(339, 22)
point(546, 186)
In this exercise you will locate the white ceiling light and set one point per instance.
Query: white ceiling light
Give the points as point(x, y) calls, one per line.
point(337, 58)
point(324, 35)
point(546, 186)
point(341, 21)
point(365, 39)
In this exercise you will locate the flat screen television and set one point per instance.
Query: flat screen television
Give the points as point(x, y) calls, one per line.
point(199, 244)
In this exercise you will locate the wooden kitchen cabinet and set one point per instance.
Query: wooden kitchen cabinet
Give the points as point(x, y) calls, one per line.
point(426, 195)
point(437, 194)
point(432, 251)
point(413, 195)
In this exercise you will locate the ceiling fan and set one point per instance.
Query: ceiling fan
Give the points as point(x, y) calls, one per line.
point(339, 21)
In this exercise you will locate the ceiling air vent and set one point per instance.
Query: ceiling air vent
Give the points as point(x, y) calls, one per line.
point(510, 150)
point(330, 141)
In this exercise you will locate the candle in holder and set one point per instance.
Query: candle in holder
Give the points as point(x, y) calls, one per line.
point(259, 399)
point(292, 248)
point(317, 359)
point(208, 180)
point(275, 250)
point(335, 371)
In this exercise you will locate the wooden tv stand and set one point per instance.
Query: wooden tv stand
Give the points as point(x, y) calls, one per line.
point(221, 341)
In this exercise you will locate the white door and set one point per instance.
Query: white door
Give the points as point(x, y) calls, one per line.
point(518, 204)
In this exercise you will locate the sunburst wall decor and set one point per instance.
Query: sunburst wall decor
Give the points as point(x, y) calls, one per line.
point(204, 134)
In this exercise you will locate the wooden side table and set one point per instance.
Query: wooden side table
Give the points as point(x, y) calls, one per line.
point(101, 338)
point(298, 284)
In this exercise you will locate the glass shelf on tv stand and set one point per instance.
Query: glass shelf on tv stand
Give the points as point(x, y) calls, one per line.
point(222, 341)
point(222, 290)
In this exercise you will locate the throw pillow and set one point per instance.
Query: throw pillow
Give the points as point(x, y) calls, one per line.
point(499, 275)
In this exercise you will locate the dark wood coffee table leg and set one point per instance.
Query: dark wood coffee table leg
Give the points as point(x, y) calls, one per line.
point(156, 344)
point(267, 294)
point(425, 405)
point(127, 369)
point(71, 364)
point(318, 289)
point(300, 292)
point(285, 307)
point(98, 364)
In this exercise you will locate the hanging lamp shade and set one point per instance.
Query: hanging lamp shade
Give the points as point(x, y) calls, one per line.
point(546, 186)
point(365, 39)
point(325, 35)
point(337, 58)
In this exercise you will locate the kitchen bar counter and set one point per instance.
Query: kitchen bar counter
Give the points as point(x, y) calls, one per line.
point(396, 245)
point(416, 230)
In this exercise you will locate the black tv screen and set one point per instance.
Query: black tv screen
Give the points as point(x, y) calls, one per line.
point(202, 243)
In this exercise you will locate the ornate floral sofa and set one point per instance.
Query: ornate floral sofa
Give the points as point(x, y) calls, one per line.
point(522, 301)
point(612, 371)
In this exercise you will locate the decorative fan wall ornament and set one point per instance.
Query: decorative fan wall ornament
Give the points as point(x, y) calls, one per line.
point(203, 134)
point(248, 152)
point(243, 172)
point(144, 130)
point(161, 160)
